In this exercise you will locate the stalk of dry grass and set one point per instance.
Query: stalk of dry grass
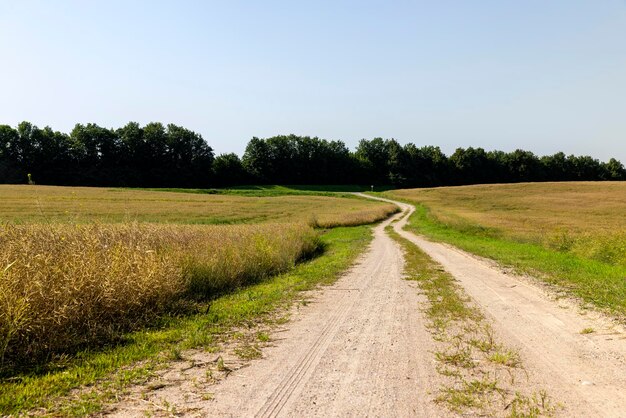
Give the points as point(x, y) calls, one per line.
point(67, 286)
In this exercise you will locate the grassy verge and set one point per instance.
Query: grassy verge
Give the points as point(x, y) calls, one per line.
point(110, 370)
point(600, 284)
point(481, 375)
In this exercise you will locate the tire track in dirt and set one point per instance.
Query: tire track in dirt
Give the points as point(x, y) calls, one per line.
point(586, 373)
point(294, 378)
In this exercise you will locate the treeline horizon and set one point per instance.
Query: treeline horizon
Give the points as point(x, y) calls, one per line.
point(158, 155)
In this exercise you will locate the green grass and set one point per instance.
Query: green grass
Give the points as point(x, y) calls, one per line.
point(595, 282)
point(446, 302)
point(277, 190)
point(272, 190)
point(110, 370)
point(310, 188)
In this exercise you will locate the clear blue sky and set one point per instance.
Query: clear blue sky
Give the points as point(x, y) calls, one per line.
point(499, 74)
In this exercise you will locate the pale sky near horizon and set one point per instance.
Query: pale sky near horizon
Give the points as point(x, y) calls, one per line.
point(540, 75)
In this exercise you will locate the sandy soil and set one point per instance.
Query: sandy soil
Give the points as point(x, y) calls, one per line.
point(359, 348)
point(586, 373)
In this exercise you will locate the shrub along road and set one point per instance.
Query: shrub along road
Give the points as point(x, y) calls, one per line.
point(363, 347)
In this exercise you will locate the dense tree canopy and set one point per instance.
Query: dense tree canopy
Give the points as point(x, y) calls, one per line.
point(152, 156)
point(298, 160)
point(172, 156)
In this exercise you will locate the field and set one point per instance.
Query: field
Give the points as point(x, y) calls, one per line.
point(67, 286)
point(530, 209)
point(107, 371)
point(81, 268)
point(571, 234)
point(49, 204)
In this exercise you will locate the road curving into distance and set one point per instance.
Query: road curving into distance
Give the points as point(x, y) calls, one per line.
point(359, 349)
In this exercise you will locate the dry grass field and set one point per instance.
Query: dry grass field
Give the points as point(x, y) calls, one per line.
point(81, 266)
point(68, 286)
point(49, 204)
point(585, 218)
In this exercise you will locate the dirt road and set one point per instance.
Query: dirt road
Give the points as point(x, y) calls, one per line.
point(585, 372)
point(360, 349)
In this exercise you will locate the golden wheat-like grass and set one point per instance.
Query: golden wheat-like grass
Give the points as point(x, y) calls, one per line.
point(67, 282)
point(64, 286)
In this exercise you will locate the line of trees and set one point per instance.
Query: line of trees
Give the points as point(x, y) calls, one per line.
point(156, 155)
point(151, 156)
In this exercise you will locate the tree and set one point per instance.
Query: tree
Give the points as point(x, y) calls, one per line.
point(373, 157)
point(228, 170)
point(9, 170)
point(23, 148)
point(472, 166)
point(523, 166)
point(256, 160)
point(430, 166)
point(556, 167)
point(292, 159)
point(584, 168)
point(97, 154)
point(172, 156)
point(190, 158)
point(399, 164)
point(614, 170)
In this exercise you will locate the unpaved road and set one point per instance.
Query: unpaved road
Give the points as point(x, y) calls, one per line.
point(585, 372)
point(361, 347)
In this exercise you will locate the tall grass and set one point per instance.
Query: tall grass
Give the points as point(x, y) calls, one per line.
point(64, 287)
point(362, 217)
